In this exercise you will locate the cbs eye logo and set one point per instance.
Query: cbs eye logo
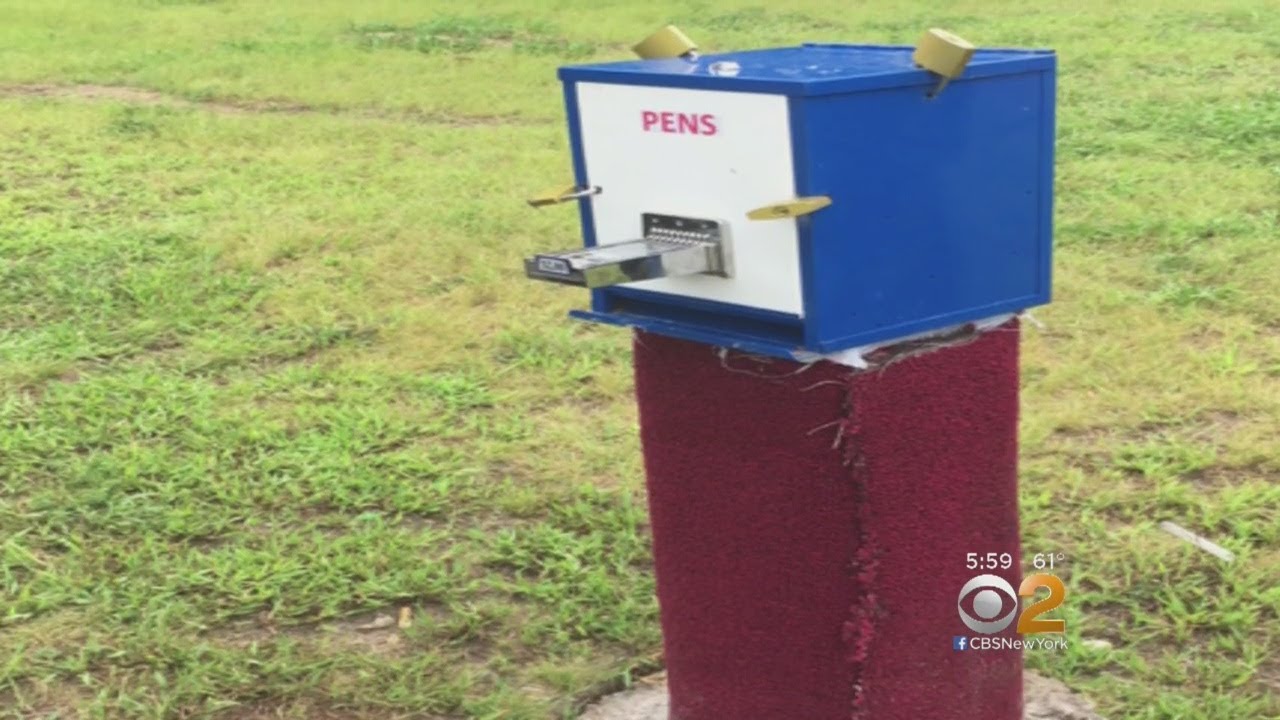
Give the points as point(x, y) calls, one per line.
point(992, 608)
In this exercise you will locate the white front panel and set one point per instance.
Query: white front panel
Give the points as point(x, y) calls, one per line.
point(699, 153)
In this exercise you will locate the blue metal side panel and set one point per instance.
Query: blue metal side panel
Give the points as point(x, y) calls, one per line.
point(940, 207)
point(1048, 132)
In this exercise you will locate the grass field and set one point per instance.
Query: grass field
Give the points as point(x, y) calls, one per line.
point(269, 376)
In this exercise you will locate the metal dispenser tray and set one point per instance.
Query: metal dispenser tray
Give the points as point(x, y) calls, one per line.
point(671, 246)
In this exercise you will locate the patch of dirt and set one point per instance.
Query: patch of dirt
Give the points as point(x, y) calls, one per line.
point(303, 709)
point(91, 92)
point(1208, 425)
point(1219, 477)
point(153, 98)
point(1088, 434)
point(1216, 424)
point(1267, 677)
point(1048, 699)
point(56, 699)
point(375, 633)
point(1111, 623)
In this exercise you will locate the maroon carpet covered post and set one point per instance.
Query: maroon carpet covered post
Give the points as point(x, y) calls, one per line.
point(811, 525)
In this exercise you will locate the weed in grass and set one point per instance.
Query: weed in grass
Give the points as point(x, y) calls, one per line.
point(452, 34)
point(754, 19)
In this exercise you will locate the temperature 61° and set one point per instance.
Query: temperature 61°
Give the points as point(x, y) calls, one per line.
point(1047, 561)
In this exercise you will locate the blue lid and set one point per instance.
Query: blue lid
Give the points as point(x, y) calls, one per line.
point(810, 69)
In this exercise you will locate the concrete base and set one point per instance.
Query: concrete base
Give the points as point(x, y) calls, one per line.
point(1044, 699)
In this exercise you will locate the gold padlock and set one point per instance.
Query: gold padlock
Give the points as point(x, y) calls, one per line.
point(943, 53)
point(667, 42)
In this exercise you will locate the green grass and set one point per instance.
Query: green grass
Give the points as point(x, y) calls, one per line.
point(267, 370)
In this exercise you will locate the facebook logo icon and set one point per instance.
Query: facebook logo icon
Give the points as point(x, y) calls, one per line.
point(959, 642)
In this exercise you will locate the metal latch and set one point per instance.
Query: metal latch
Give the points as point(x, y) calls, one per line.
point(790, 208)
point(563, 194)
point(671, 246)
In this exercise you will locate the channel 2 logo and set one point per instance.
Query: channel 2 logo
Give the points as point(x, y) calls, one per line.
point(993, 603)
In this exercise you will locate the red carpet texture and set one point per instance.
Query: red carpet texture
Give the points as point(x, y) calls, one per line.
point(811, 526)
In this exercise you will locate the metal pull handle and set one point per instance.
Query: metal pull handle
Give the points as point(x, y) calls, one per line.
point(672, 246)
point(563, 194)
